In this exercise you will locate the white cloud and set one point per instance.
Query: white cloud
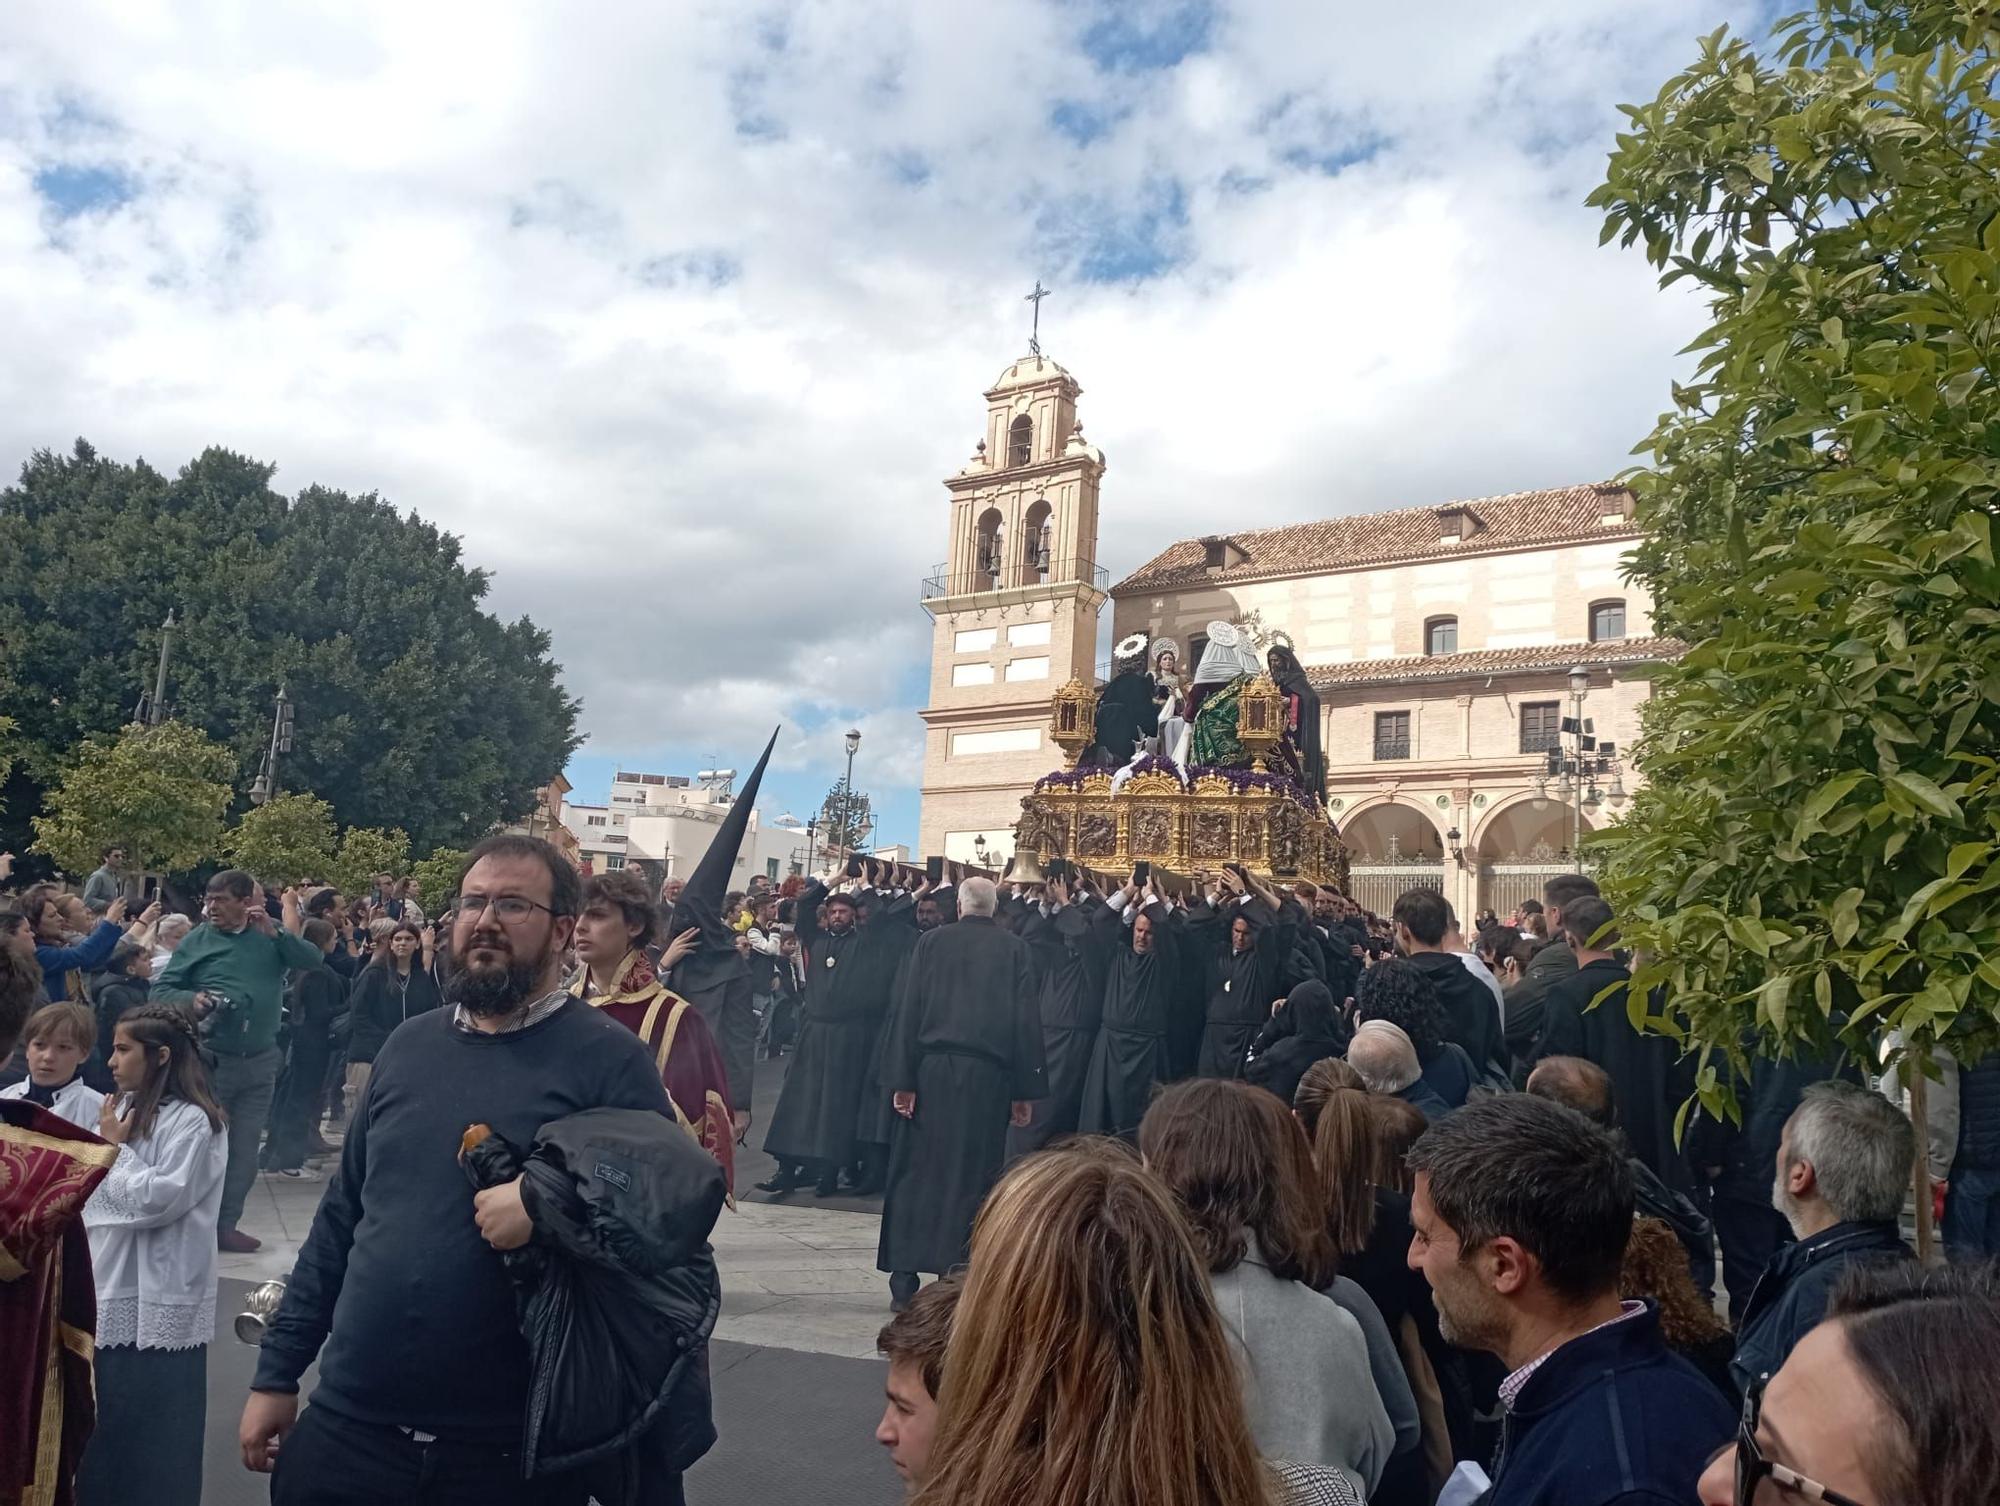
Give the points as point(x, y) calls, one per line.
point(680, 314)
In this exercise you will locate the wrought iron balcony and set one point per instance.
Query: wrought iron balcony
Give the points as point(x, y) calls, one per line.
point(943, 582)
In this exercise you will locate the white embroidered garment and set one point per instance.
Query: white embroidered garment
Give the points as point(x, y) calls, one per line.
point(152, 1233)
point(76, 1101)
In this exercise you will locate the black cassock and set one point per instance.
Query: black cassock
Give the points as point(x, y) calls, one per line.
point(1648, 1078)
point(1126, 712)
point(719, 985)
point(1303, 716)
point(832, 1063)
point(1071, 970)
point(967, 1041)
point(1242, 985)
point(897, 935)
point(1132, 1055)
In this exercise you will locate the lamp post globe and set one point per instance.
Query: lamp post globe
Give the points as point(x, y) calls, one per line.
point(1579, 681)
point(853, 740)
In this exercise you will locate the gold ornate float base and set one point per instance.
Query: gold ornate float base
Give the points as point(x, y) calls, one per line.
point(1154, 819)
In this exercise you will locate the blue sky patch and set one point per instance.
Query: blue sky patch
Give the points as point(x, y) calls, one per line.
point(1334, 157)
point(909, 167)
point(1119, 243)
point(690, 269)
point(1081, 121)
point(71, 189)
point(1133, 38)
point(753, 120)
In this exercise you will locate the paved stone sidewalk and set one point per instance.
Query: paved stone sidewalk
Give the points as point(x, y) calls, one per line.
point(797, 1272)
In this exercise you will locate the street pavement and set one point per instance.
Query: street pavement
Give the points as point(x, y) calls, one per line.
point(797, 1385)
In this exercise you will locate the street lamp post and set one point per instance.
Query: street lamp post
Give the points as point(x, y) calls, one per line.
point(1575, 766)
point(153, 709)
point(847, 797)
point(265, 786)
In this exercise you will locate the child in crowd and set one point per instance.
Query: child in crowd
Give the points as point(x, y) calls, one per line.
point(152, 1243)
point(59, 1039)
point(914, 1343)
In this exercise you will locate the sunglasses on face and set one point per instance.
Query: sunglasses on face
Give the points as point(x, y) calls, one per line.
point(1752, 1468)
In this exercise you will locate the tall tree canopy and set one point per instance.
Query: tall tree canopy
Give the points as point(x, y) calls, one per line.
point(415, 708)
point(1817, 854)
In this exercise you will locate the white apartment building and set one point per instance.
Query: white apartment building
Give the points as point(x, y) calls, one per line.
point(664, 823)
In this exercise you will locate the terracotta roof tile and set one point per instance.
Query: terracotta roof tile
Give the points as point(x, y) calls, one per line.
point(1492, 661)
point(1519, 519)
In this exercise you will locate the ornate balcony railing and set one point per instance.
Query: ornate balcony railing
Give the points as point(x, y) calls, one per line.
point(1013, 575)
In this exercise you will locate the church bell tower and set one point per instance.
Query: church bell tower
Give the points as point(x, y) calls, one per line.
point(1014, 608)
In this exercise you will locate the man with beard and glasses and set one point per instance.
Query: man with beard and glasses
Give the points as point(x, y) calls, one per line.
point(423, 1375)
point(1522, 1209)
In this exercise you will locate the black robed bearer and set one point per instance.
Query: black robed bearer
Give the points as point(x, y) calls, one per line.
point(965, 1060)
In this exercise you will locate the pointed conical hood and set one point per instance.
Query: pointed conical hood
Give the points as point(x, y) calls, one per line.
point(701, 899)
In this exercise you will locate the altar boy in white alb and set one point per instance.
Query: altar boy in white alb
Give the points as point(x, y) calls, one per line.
point(58, 1041)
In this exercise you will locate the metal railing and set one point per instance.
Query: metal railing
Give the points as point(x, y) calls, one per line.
point(1392, 747)
point(944, 582)
point(1540, 741)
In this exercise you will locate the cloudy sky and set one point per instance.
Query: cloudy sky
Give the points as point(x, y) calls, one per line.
point(679, 313)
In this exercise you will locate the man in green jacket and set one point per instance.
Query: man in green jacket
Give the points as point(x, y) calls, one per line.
point(231, 971)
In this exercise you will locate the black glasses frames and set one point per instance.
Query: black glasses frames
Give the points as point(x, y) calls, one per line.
point(1752, 1468)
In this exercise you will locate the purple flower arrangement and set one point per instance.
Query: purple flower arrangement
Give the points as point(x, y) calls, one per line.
point(1067, 779)
point(1241, 780)
point(1159, 763)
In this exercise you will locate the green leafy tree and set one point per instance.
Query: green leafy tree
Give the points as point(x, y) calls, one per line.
point(415, 706)
point(364, 852)
point(438, 877)
point(1813, 862)
point(845, 821)
point(285, 841)
point(9, 754)
point(160, 792)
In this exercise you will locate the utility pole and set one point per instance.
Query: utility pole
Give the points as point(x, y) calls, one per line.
point(266, 783)
point(153, 711)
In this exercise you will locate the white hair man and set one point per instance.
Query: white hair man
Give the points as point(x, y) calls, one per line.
point(1842, 1172)
point(1385, 1057)
point(963, 1059)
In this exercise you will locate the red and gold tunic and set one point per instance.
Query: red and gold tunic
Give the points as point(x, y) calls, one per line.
point(48, 1301)
point(683, 1048)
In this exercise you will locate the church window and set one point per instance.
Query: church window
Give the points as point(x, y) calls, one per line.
point(1392, 734)
point(1607, 621)
point(1441, 636)
point(1020, 440)
point(1540, 726)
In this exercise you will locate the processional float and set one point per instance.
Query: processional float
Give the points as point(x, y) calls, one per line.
point(1178, 820)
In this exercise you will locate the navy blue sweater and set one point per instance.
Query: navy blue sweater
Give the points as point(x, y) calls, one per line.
point(1612, 1417)
point(415, 1309)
